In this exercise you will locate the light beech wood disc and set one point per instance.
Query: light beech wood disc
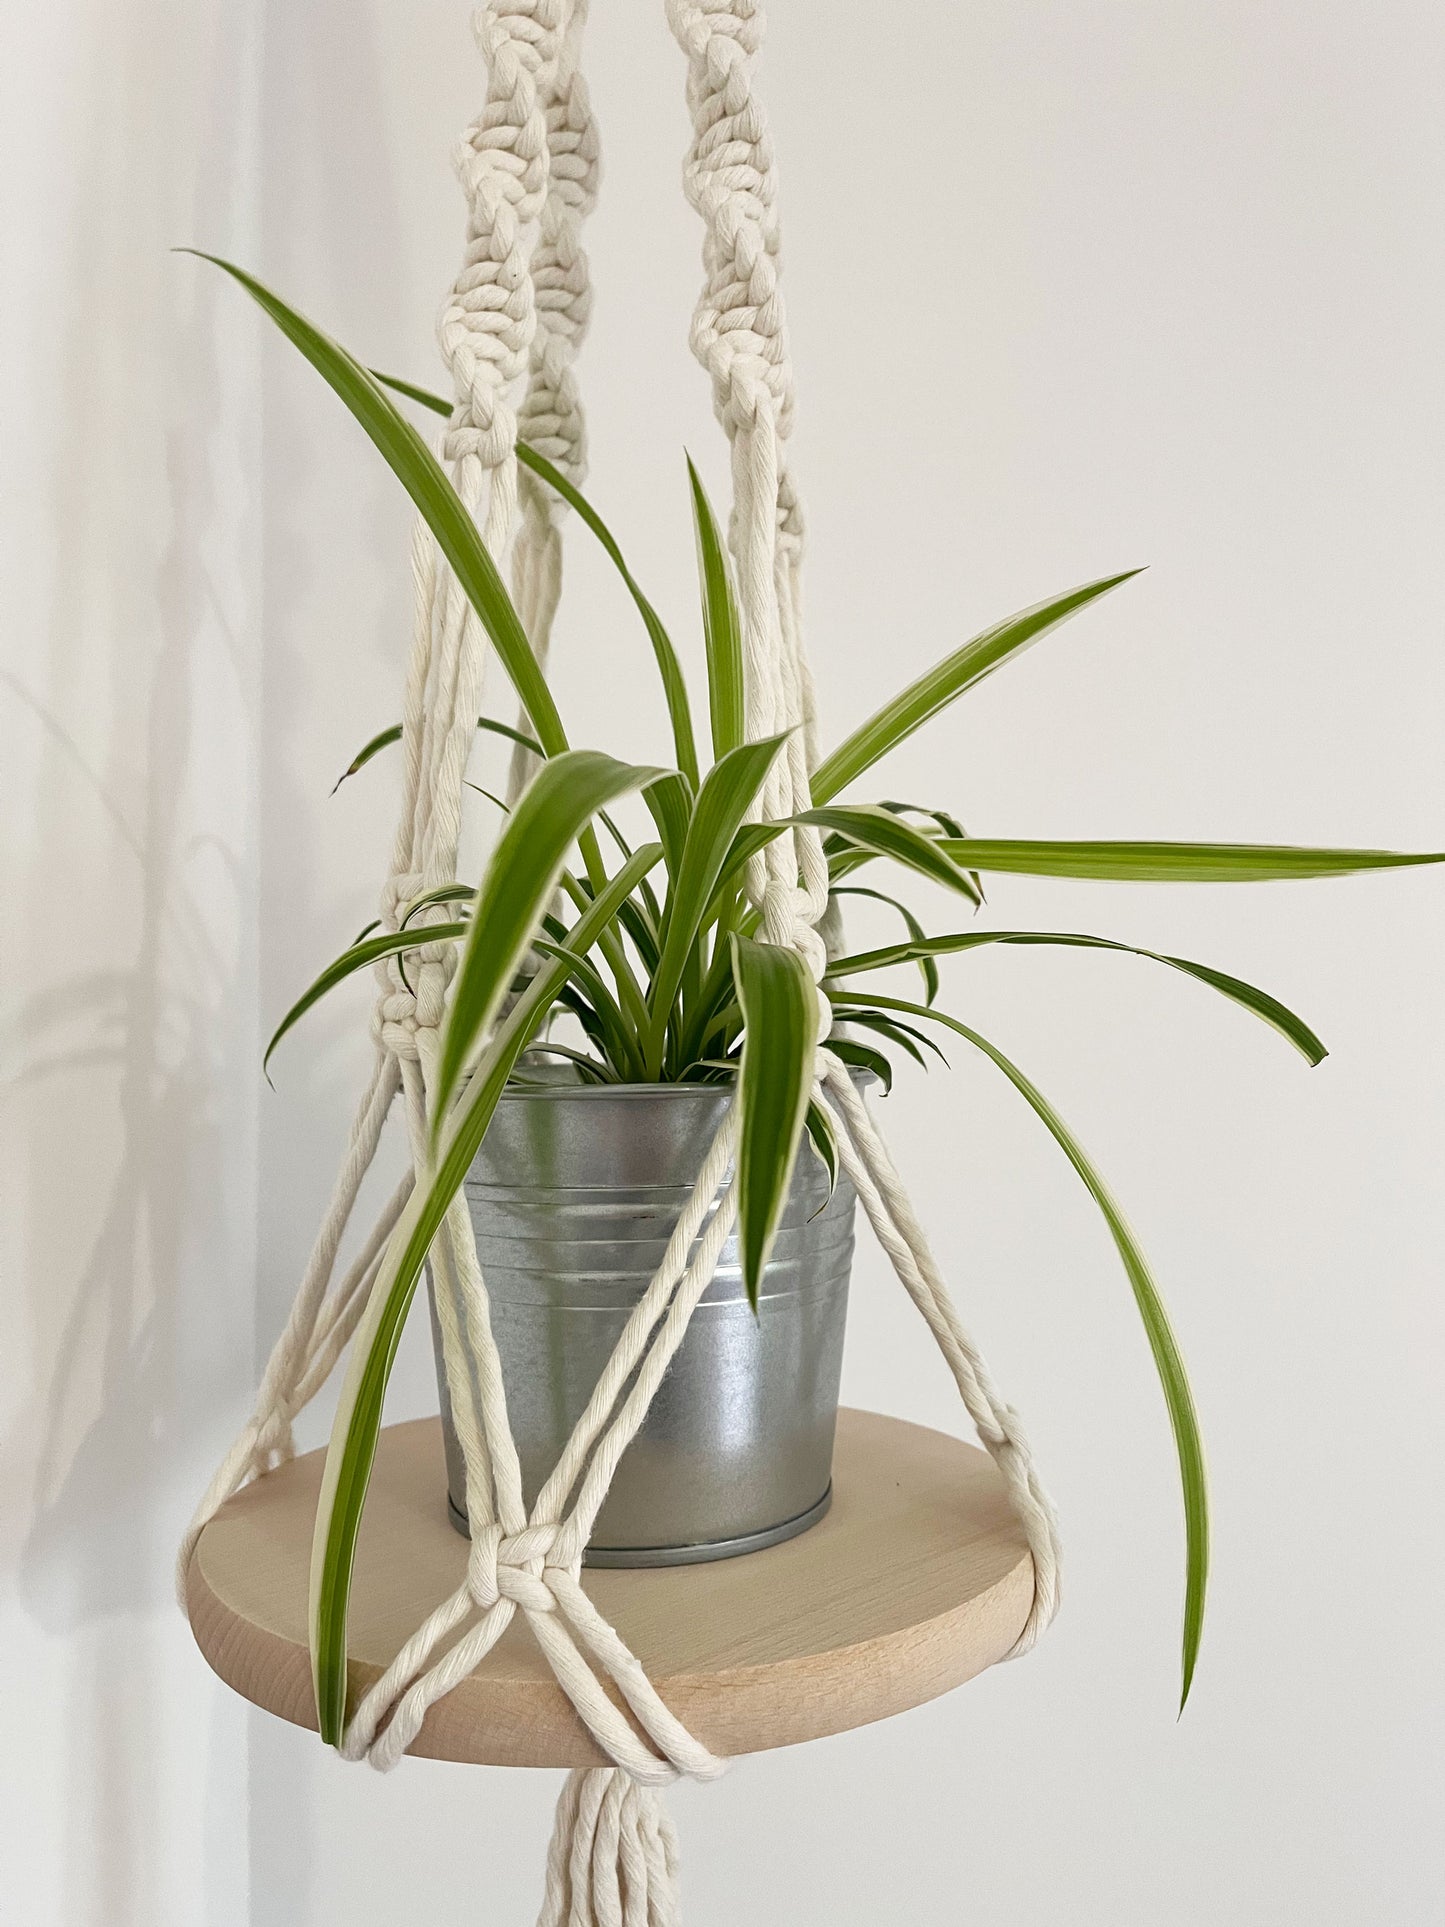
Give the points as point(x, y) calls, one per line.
point(916, 1579)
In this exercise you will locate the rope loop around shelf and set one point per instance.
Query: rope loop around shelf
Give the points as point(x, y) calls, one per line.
point(519, 308)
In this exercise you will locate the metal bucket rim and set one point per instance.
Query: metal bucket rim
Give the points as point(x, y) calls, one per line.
point(592, 1093)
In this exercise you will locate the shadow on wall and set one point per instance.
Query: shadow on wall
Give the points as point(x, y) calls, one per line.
point(330, 234)
point(134, 1072)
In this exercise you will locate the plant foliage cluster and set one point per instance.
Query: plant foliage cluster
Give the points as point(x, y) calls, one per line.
point(654, 950)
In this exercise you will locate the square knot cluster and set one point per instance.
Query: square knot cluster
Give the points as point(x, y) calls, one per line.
point(503, 1566)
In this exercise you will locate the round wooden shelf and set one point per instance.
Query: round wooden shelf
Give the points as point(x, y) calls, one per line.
point(917, 1578)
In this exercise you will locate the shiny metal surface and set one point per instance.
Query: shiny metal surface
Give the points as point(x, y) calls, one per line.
point(573, 1197)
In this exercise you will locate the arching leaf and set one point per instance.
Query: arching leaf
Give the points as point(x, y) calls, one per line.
point(384, 738)
point(427, 483)
point(1248, 996)
point(368, 951)
point(948, 680)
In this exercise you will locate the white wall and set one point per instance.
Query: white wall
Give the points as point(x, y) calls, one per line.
point(1085, 287)
point(129, 694)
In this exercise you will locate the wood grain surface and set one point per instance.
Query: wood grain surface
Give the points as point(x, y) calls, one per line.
point(915, 1580)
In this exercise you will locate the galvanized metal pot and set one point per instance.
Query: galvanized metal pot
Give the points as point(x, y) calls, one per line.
point(573, 1196)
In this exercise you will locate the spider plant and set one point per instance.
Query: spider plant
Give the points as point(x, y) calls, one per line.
point(654, 951)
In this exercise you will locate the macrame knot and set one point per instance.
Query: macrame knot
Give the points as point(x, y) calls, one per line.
point(788, 916)
point(502, 1566)
point(710, 28)
point(417, 1000)
point(490, 445)
point(398, 893)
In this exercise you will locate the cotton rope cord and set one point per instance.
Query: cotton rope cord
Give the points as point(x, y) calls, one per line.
point(550, 418)
point(613, 1855)
point(486, 332)
point(873, 1175)
point(528, 166)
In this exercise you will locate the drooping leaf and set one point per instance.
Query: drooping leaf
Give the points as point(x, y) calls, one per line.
point(949, 825)
point(520, 877)
point(946, 681)
point(850, 1050)
point(881, 833)
point(1167, 1360)
point(357, 1425)
point(427, 483)
point(907, 1037)
point(722, 627)
point(1174, 862)
point(368, 950)
point(444, 893)
point(384, 738)
point(780, 1011)
point(926, 963)
point(819, 1126)
point(1248, 996)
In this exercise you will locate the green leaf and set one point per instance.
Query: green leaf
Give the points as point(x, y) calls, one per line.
point(1167, 1361)
point(819, 1126)
point(669, 668)
point(640, 926)
point(726, 795)
point(1274, 1013)
point(1175, 862)
point(750, 841)
point(620, 1047)
point(592, 1068)
point(882, 833)
point(572, 1000)
point(948, 680)
point(645, 910)
point(673, 682)
point(670, 800)
point(423, 395)
point(949, 825)
point(780, 1011)
point(722, 627)
point(915, 930)
point(357, 1424)
point(905, 1036)
point(384, 738)
point(425, 480)
point(358, 957)
point(864, 1057)
point(561, 799)
point(444, 893)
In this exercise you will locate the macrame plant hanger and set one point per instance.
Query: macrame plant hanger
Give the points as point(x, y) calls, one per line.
point(519, 308)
